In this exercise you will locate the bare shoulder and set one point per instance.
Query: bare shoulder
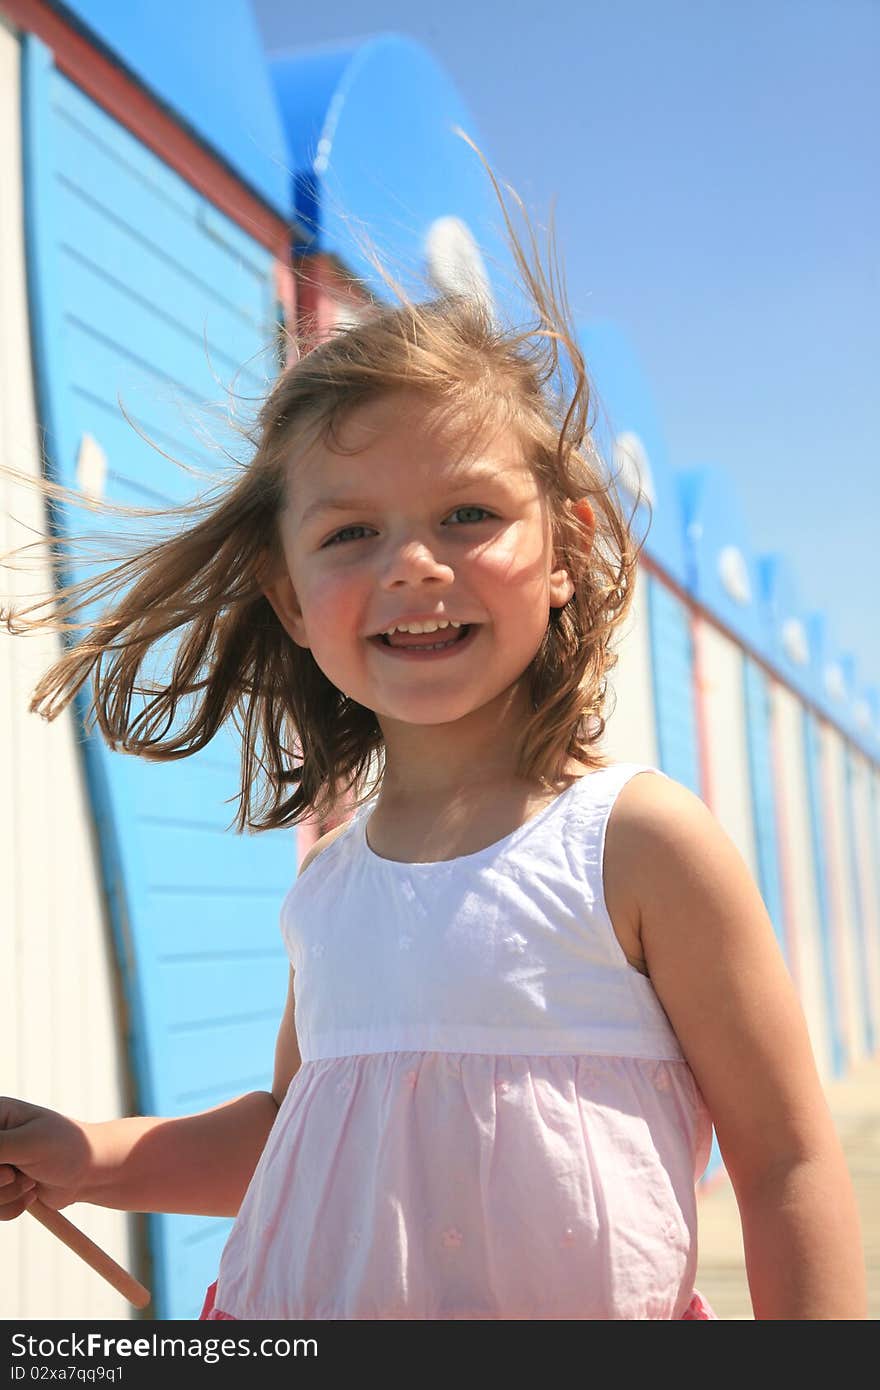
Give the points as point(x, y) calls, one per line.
point(720, 975)
point(640, 806)
point(659, 832)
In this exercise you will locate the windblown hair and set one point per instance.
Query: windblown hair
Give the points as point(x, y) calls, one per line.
point(201, 584)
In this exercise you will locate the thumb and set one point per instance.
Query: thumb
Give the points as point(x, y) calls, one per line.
point(16, 1135)
point(26, 1130)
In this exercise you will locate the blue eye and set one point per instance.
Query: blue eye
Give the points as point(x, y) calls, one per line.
point(335, 538)
point(466, 507)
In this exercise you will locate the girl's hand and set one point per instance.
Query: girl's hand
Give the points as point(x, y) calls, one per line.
point(42, 1154)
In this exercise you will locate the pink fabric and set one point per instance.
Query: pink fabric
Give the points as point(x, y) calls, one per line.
point(697, 1310)
point(470, 1185)
point(493, 1117)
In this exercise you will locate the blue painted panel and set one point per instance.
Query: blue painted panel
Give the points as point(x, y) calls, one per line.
point(623, 404)
point(756, 692)
point(871, 697)
point(722, 568)
point(127, 268)
point(205, 62)
point(370, 142)
point(874, 851)
point(830, 690)
point(786, 619)
point(104, 249)
point(672, 676)
point(174, 419)
point(812, 763)
point(860, 928)
point(197, 1082)
point(672, 664)
point(109, 166)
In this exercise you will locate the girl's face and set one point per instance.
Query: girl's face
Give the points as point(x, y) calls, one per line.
point(415, 526)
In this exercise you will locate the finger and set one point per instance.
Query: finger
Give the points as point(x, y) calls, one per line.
point(10, 1210)
point(11, 1191)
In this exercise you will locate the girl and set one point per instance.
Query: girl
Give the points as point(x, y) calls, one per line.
point(524, 980)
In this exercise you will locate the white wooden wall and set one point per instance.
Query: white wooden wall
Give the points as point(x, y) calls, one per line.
point(869, 881)
point(630, 731)
point(840, 885)
point(722, 698)
point(60, 1033)
point(805, 927)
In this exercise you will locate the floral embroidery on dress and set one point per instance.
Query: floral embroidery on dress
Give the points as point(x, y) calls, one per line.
point(452, 1237)
point(661, 1077)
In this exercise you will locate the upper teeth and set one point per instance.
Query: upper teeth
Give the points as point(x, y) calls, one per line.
point(420, 627)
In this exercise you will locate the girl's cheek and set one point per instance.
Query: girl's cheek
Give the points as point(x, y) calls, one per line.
point(514, 555)
point(333, 602)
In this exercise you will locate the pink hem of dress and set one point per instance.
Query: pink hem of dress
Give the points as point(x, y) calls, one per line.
point(698, 1310)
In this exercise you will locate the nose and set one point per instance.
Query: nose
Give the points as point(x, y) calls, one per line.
point(412, 562)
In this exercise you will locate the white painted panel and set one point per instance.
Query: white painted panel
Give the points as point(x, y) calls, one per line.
point(722, 697)
point(804, 927)
point(840, 889)
point(869, 882)
point(629, 733)
point(60, 1038)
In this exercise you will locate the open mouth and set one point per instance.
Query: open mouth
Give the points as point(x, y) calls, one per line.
point(427, 650)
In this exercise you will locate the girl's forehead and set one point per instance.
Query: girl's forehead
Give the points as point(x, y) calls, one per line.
point(436, 439)
point(399, 462)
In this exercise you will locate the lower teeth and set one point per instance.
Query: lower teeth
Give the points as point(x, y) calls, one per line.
point(434, 647)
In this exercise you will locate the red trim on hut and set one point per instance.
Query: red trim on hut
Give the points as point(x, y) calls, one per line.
point(129, 103)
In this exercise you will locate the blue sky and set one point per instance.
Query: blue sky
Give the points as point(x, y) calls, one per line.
point(714, 167)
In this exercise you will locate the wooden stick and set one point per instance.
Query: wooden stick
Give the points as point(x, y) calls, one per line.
point(93, 1255)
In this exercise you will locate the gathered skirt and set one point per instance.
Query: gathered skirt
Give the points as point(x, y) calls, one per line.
point(419, 1185)
point(698, 1309)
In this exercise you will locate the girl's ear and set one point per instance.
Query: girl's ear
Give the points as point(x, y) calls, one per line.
point(282, 596)
point(561, 586)
point(587, 517)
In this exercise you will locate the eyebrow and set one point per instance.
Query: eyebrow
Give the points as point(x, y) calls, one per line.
point(345, 504)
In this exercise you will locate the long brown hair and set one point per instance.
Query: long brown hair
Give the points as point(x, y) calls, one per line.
point(304, 742)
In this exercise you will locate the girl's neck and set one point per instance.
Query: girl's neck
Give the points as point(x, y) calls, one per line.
point(491, 783)
point(431, 765)
point(461, 822)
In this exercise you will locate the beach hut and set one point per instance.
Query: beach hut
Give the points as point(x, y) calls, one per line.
point(144, 160)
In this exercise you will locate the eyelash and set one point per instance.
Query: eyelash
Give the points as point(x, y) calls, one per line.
point(465, 507)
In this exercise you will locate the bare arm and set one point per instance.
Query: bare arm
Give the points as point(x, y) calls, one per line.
point(201, 1164)
point(198, 1164)
point(721, 978)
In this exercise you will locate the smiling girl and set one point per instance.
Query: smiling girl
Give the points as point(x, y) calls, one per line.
point(524, 980)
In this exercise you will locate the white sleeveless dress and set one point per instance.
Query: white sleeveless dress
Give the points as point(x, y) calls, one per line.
point(493, 1117)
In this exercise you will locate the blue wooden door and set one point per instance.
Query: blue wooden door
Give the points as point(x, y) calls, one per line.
point(139, 286)
point(672, 676)
point(757, 707)
point(859, 926)
point(813, 762)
